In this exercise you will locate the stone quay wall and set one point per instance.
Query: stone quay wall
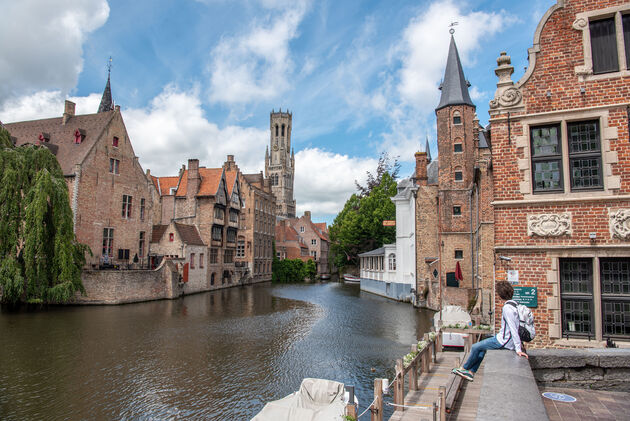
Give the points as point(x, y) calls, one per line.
point(595, 368)
point(130, 286)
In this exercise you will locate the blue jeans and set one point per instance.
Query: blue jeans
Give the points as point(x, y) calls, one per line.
point(478, 351)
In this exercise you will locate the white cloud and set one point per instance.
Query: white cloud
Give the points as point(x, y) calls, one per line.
point(173, 128)
point(423, 51)
point(45, 104)
point(325, 180)
point(256, 66)
point(41, 43)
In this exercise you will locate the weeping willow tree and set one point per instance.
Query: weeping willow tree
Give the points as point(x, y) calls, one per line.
point(40, 259)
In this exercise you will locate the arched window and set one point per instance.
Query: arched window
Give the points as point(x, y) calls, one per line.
point(457, 117)
point(457, 145)
point(276, 130)
point(283, 130)
point(392, 261)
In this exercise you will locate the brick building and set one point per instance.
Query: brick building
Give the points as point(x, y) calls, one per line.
point(254, 248)
point(454, 219)
point(289, 244)
point(316, 238)
point(110, 196)
point(209, 200)
point(561, 157)
point(183, 245)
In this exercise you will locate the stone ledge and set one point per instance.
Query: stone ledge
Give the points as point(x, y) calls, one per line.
point(520, 401)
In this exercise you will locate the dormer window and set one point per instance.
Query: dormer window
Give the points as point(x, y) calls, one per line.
point(79, 136)
point(115, 142)
point(44, 137)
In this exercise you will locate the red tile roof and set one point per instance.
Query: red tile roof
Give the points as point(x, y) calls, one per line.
point(210, 181)
point(68, 152)
point(230, 180)
point(164, 184)
point(188, 233)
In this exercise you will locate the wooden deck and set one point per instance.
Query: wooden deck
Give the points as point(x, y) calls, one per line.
point(428, 393)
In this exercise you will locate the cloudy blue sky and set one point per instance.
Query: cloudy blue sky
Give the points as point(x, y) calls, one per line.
point(198, 78)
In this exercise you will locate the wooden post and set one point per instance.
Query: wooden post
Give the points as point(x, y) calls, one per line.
point(399, 386)
point(442, 403)
point(351, 410)
point(413, 373)
point(469, 340)
point(377, 407)
point(426, 357)
point(439, 341)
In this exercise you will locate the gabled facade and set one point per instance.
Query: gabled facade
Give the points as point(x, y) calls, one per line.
point(110, 196)
point(202, 198)
point(561, 161)
point(316, 240)
point(254, 248)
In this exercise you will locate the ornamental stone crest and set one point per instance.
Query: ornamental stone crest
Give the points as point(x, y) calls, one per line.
point(580, 24)
point(549, 224)
point(620, 223)
point(510, 97)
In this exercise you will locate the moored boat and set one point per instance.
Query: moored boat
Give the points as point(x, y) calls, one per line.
point(351, 279)
point(317, 400)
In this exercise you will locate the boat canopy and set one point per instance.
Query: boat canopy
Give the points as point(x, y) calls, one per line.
point(317, 400)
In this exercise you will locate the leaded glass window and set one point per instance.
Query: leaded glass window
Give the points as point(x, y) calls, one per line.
point(615, 281)
point(546, 158)
point(576, 289)
point(585, 155)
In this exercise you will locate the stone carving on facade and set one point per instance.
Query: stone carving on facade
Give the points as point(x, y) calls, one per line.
point(620, 223)
point(580, 24)
point(506, 94)
point(509, 98)
point(549, 224)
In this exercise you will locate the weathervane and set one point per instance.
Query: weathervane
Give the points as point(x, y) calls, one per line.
point(109, 65)
point(452, 30)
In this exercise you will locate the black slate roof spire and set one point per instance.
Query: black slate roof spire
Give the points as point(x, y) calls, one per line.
point(107, 104)
point(427, 149)
point(455, 86)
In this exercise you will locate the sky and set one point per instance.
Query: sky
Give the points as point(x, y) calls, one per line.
point(198, 78)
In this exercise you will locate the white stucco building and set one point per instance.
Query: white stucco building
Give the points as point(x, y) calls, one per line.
point(390, 271)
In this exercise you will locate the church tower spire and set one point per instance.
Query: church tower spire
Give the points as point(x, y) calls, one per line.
point(107, 104)
point(454, 87)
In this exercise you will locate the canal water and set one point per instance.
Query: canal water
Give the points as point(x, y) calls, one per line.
point(218, 356)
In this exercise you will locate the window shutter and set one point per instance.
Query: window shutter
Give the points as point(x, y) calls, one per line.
point(604, 46)
point(626, 37)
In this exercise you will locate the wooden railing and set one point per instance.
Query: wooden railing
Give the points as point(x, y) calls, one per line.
point(421, 363)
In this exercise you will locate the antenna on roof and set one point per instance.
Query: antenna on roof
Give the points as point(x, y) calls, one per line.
point(452, 30)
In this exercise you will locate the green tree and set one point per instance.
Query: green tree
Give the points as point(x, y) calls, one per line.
point(310, 269)
point(288, 270)
point(359, 226)
point(40, 259)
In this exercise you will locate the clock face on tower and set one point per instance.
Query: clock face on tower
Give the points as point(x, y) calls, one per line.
point(275, 147)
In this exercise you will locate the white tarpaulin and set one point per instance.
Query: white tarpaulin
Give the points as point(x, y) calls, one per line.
point(317, 400)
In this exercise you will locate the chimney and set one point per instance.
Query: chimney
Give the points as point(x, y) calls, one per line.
point(194, 180)
point(68, 111)
point(148, 172)
point(307, 214)
point(421, 168)
point(117, 108)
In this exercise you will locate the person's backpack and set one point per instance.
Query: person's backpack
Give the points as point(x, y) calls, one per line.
point(526, 329)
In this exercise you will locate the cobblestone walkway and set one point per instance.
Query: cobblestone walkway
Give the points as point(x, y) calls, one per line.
point(590, 405)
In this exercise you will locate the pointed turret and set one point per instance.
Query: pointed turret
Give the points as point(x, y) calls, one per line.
point(455, 86)
point(106, 101)
point(427, 149)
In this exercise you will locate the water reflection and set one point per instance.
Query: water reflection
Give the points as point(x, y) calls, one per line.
point(219, 355)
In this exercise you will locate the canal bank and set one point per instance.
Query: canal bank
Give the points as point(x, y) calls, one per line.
point(216, 355)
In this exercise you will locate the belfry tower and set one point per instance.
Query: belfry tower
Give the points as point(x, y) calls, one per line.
point(280, 163)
